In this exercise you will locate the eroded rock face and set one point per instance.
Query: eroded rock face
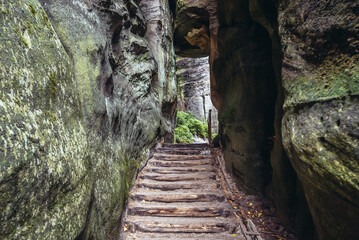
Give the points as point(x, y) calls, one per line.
point(319, 80)
point(320, 125)
point(193, 23)
point(86, 88)
point(194, 88)
point(322, 143)
point(195, 34)
point(246, 81)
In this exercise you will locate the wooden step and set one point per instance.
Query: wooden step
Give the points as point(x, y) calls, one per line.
point(188, 163)
point(209, 185)
point(183, 151)
point(181, 236)
point(176, 170)
point(180, 225)
point(199, 209)
point(176, 157)
point(178, 177)
point(178, 196)
point(192, 145)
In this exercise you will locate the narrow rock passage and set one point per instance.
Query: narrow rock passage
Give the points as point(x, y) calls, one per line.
point(178, 195)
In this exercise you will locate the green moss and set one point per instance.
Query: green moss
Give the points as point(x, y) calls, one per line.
point(46, 19)
point(3, 10)
point(29, 25)
point(53, 85)
point(189, 126)
point(22, 39)
point(32, 9)
point(335, 78)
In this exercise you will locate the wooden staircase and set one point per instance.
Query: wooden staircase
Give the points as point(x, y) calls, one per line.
point(178, 196)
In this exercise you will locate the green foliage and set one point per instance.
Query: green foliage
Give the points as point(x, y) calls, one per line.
point(189, 126)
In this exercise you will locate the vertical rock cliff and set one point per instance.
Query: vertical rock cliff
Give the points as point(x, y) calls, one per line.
point(194, 95)
point(321, 111)
point(86, 88)
point(284, 77)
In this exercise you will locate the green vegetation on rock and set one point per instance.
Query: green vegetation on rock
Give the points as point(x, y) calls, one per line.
point(69, 153)
point(189, 126)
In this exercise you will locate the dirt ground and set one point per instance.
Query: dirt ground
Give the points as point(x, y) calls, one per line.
point(255, 208)
point(263, 216)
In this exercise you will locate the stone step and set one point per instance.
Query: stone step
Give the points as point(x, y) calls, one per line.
point(142, 190)
point(196, 209)
point(176, 157)
point(178, 170)
point(209, 185)
point(180, 236)
point(178, 177)
point(179, 196)
point(191, 145)
point(188, 163)
point(180, 225)
point(183, 151)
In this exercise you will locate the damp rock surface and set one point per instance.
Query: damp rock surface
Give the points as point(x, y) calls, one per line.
point(320, 124)
point(194, 94)
point(86, 88)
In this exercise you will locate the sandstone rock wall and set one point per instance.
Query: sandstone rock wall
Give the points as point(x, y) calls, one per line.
point(86, 87)
point(194, 88)
point(320, 124)
point(284, 77)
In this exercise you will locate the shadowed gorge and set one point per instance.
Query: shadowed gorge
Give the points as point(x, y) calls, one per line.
point(273, 64)
point(90, 91)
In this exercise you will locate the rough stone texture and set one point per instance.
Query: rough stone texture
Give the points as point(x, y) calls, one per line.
point(194, 88)
point(246, 82)
point(320, 126)
point(319, 80)
point(84, 93)
point(322, 143)
point(246, 88)
point(195, 33)
point(191, 30)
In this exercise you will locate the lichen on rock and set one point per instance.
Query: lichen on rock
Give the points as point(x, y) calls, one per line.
point(79, 106)
point(320, 80)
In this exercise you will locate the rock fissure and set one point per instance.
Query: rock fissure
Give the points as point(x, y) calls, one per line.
point(87, 88)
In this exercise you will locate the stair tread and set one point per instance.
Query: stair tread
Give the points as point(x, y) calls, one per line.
point(146, 191)
point(178, 157)
point(186, 205)
point(181, 224)
point(178, 236)
point(181, 170)
point(178, 196)
point(178, 177)
point(187, 163)
point(180, 220)
point(208, 184)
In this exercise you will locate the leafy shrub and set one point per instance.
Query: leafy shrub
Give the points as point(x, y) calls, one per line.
point(189, 126)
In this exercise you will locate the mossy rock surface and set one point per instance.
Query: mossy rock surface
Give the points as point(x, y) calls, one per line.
point(320, 124)
point(43, 140)
point(322, 143)
point(78, 113)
